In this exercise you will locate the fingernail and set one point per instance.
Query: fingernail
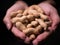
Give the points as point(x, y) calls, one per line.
point(8, 26)
point(35, 42)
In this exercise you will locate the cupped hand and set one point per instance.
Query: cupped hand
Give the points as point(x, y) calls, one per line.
point(47, 8)
point(53, 15)
point(18, 5)
point(51, 12)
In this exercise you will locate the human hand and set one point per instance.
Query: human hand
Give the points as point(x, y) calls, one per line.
point(51, 12)
point(48, 11)
point(18, 5)
point(53, 15)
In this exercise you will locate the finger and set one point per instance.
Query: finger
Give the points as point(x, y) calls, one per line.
point(40, 38)
point(7, 21)
point(45, 9)
point(52, 28)
point(18, 33)
point(55, 19)
point(27, 40)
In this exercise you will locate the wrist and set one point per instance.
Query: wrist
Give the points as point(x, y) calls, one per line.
point(22, 3)
point(52, 2)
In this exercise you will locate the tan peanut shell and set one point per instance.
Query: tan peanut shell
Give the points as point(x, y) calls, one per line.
point(37, 8)
point(21, 19)
point(28, 30)
point(25, 12)
point(32, 36)
point(20, 26)
point(38, 29)
point(32, 12)
point(19, 15)
point(20, 11)
point(30, 17)
point(44, 17)
point(29, 26)
point(41, 22)
point(34, 23)
point(30, 21)
point(13, 14)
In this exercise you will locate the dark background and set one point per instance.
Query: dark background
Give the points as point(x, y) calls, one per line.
point(7, 37)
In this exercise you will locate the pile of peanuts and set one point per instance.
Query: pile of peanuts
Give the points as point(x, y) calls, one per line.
point(30, 21)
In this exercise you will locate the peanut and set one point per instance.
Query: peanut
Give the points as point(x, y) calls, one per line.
point(30, 17)
point(28, 30)
point(15, 19)
point(37, 8)
point(19, 15)
point(37, 29)
point(41, 22)
point(25, 12)
point(32, 36)
point(44, 17)
point(13, 14)
point(20, 11)
point(34, 23)
point(30, 21)
point(29, 26)
point(32, 12)
point(20, 26)
point(48, 23)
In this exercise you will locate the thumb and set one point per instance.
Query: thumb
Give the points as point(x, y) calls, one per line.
point(7, 22)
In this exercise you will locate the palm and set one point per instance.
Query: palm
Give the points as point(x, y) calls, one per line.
point(18, 5)
point(47, 8)
point(52, 13)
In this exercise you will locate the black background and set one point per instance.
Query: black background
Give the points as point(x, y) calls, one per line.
point(7, 37)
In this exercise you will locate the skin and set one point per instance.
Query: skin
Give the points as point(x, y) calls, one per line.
point(47, 8)
point(51, 2)
point(18, 5)
point(51, 12)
